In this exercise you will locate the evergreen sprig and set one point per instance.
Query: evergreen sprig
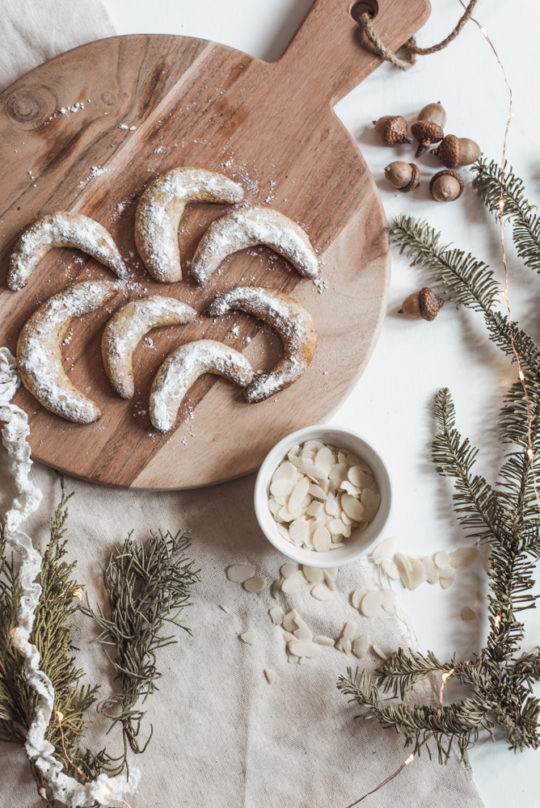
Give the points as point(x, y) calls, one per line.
point(505, 515)
point(148, 585)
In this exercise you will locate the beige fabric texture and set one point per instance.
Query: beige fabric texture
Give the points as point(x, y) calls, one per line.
point(222, 735)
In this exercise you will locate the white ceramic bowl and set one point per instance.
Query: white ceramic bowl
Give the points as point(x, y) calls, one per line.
point(360, 540)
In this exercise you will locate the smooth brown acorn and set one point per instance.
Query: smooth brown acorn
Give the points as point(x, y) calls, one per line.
point(434, 112)
point(422, 305)
point(403, 176)
point(446, 185)
point(457, 151)
point(392, 129)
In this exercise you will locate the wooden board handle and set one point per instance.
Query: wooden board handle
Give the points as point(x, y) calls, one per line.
point(328, 56)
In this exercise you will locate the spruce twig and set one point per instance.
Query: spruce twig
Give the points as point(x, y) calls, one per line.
point(505, 516)
point(148, 585)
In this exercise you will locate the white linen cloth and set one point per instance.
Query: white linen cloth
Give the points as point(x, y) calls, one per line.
point(222, 735)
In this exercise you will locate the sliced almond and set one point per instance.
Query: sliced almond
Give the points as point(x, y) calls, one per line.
point(273, 506)
point(299, 531)
point(442, 560)
point(304, 648)
point(298, 493)
point(356, 597)
point(405, 569)
point(321, 539)
point(281, 488)
point(463, 555)
point(360, 646)
point(317, 491)
point(276, 614)
point(286, 516)
point(330, 576)
point(224, 608)
point(269, 675)
point(321, 592)
point(352, 507)
point(418, 572)
point(336, 527)
point(385, 549)
point(238, 573)
point(324, 460)
point(382, 654)
point(275, 587)
point(283, 532)
point(432, 573)
point(371, 602)
point(248, 636)
point(294, 582)
point(389, 568)
point(316, 508)
point(285, 471)
point(467, 613)
point(447, 580)
point(320, 639)
point(313, 574)
point(289, 620)
point(303, 631)
point(337, 474)
point(313, 445)
point(331, 505)
point(286, 570)
point(371, 501)
point(359, 477)
point(349, 630)
point(254, 584)
point(349, 488)
point(388, 600)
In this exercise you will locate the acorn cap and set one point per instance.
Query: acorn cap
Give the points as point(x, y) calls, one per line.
point(448, 151)
point(430, 303)
point(415, 179)
point(426, 133)
point(447, 172)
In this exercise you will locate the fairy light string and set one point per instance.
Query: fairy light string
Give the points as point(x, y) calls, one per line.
point(447, 675)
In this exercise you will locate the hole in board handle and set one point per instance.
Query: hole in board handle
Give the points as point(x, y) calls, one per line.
point(370, 7)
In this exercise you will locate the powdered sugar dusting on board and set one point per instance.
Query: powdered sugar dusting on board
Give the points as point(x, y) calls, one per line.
point(291, 321)
point(39, 355)
point(161, 207)
point(248, 227)
point(128, 326)
point(183, 367)
point(62, 229)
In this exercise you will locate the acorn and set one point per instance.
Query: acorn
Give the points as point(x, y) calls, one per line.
point(457, 151)
point(422, 305)
point(435, 113)
point(403, 176)
point(446, 185)
point(392, 129)
point(426, 133)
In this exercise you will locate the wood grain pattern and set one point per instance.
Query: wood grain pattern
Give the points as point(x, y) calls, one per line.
point(269, 126)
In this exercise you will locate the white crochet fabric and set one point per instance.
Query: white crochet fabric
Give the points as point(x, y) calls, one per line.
point(104, 790)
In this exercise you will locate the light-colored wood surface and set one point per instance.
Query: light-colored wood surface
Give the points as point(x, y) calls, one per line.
point(269, 126)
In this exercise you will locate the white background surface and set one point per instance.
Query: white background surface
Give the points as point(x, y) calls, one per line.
point(391, 404)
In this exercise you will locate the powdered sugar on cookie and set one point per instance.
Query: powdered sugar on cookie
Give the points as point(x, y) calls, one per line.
point(248, 227)
point(62, 229)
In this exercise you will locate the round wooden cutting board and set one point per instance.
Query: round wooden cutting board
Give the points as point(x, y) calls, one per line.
point(88, 130)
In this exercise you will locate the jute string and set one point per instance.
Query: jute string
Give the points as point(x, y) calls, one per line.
point(410, 48)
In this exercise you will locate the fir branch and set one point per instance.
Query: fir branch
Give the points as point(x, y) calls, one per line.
point(148, 585)
point(493, 181)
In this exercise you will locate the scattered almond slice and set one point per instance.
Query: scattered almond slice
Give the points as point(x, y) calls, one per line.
point(322, 640)
point(269, 675)
point(442, 560)
point(330, 576)
point(389, 567)
point(385, 549)
point(303, 631)
point(304, 648)
point(432, 573)
point(289, 621)
point(248, 637)
point(321, 592)
point(313, 574)
point(405, 569)
point(356, 597)
point(467, 613)
point(224, 608)
point(447, 580)
point(255, 584)
point(349, 630)
point(352, 507)
point(238, 573)
point(276, 613)
point(294, 582)
point(321, 539)
point(388, 600)
point(371, 602)
point(379, 652)
point(288, 635)
point(286, 570)
point(360, 646)
point(418, 573)
point(275, 588)
point(463, 555)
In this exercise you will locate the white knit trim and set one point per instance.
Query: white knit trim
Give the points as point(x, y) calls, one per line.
point(104, 790)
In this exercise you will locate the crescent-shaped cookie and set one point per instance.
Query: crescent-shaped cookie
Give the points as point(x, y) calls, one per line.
point(39, 356)
point(291, 321)
point(248, 227)
point(183, 367)
point(161, 207)
point(62, 229)
point(128, 326)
